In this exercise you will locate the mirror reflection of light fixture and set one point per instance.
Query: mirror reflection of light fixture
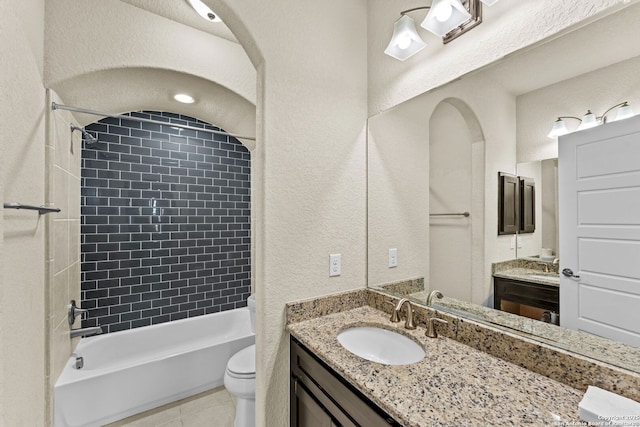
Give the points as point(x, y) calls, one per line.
point(444, 16)
point(560, 127)
point(624, 112)
point(448, 19)
point(590, 120)
point(405, 41)
point(489, 2)
point(204, 11)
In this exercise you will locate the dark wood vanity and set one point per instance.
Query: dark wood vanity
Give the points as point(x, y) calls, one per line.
point(322, 398)
point(525, 298)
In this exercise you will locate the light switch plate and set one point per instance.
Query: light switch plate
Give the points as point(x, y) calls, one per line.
point(393, 257)
point(335, 265)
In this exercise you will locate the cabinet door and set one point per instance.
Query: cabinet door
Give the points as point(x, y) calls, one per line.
point(309, 413)
point(508, 204)
point(527, 205)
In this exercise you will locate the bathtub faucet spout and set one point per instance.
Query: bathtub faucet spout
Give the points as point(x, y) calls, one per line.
point(86, 332)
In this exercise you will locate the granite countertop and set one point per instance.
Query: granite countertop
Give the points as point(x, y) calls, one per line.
point(454, 385)
point(525, 275)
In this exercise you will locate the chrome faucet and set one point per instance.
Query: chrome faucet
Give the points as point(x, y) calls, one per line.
point(395, 316)
point(434, 293)
point(85, 332)
point(545, 265)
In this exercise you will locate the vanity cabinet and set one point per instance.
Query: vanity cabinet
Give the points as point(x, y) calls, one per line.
point(321, 398)
point(525, 298)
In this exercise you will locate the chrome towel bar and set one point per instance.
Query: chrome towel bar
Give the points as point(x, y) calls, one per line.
point(465, 214)
point(41, 209)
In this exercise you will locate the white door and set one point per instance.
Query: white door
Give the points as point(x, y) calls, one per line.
point(599, 189)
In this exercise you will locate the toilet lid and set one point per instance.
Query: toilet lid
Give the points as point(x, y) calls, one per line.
point(243, 362)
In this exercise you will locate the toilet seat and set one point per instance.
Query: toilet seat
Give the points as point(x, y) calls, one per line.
point(243, 364)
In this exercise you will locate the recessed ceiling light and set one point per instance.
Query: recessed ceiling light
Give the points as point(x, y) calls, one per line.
point(184, 98)
point(204, 11)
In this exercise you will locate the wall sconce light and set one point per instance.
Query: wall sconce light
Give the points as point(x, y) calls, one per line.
point(448, 19)
point(590, 120)
point(444, 16)
point(405, 41)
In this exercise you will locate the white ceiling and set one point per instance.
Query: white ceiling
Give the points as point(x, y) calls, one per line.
point(180, 11)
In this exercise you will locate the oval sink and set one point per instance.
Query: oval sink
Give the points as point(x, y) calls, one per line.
point(381, 345)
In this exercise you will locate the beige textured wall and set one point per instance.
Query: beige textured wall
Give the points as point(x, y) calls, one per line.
point(311, 160)
point(22, 126)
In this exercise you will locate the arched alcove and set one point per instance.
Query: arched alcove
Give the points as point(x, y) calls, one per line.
point(117, 58)
point(456, 187)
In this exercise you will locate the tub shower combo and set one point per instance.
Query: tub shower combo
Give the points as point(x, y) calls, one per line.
point(166, 198)
point(128, 372)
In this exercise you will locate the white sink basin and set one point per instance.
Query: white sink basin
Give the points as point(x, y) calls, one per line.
point(555, 279)
point(381, 345)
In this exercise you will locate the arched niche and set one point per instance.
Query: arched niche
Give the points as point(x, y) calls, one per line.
point(456, 186)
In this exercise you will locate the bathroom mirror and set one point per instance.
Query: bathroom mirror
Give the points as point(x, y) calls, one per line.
point(435, 157)
point(542, 245)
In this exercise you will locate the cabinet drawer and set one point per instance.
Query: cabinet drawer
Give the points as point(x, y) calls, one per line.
point(347, 405)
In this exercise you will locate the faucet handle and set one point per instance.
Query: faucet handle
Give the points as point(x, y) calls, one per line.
point(395, 318)
point(431, 328)
point(74, 311)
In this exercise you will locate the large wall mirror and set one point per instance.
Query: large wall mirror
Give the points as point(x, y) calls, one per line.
point(433, 164)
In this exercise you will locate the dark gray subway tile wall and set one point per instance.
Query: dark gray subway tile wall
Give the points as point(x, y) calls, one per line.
point(165, 222)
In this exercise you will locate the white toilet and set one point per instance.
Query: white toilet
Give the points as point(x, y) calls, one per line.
point(240, 377)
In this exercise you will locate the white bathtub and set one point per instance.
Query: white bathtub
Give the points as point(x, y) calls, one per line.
point(129, 372)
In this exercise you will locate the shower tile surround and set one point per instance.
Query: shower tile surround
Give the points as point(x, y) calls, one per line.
point(165, 222)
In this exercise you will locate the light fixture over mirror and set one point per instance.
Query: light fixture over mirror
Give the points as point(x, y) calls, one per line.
point(405, 41)
point(560, 127)
point(446, 18)
point(590, 120)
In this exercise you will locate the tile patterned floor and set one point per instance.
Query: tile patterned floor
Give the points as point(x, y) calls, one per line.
point(213, 408)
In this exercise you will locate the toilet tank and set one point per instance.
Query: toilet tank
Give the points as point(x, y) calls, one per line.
point(251, 304)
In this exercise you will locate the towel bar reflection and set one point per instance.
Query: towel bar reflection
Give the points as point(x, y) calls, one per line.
point(41, 209)
point(465, 214)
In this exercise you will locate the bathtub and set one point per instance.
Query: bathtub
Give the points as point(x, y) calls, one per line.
point(132, 371)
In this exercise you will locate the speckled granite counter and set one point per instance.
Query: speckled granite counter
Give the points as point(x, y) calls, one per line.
point(529, 275)
point(528, 271)
point(455, 385)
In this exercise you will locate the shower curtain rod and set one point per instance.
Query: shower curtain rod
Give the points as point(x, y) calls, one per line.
point(55, 106)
